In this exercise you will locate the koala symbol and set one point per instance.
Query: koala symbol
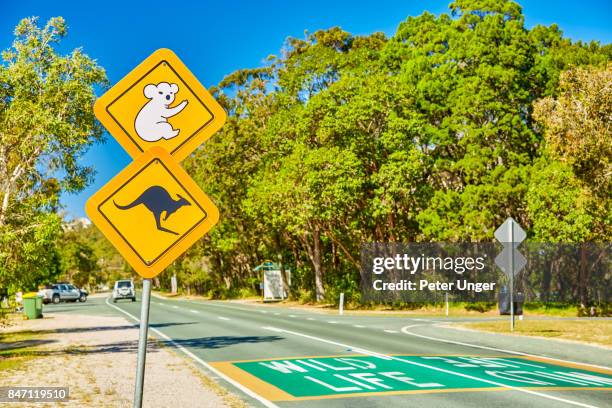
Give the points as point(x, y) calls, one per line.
point(152, 121)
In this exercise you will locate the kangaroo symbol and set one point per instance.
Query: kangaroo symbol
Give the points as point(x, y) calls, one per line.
point(157, 200)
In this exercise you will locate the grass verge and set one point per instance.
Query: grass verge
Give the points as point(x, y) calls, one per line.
point(17, 348)
point(586, 331)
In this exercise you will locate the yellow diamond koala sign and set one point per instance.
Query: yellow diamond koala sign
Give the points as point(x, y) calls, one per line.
point(160, 103)
point(152, 211)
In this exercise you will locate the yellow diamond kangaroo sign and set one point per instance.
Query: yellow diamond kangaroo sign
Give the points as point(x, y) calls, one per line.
point(152, 211)
point(160, 103)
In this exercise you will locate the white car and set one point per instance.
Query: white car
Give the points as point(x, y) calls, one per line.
point(63, 292)
point(124, 289)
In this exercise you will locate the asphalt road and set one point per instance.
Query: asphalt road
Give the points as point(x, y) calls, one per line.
point(310, 359)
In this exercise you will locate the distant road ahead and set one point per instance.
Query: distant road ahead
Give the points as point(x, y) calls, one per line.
point(283, 357)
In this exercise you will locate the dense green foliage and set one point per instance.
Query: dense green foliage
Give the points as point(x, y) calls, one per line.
point(428, 135)
point(437, 133)
point(46, 123)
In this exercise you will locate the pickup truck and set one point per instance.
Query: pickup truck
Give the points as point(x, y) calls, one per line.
point(63, 292)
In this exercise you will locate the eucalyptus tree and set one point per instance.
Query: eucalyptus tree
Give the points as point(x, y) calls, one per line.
point(46, 124)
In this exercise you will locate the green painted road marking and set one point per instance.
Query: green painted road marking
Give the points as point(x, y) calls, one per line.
point(343, 376)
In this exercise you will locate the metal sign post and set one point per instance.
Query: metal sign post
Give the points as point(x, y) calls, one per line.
point(512, 281)
point(446, 302)
point(510, 234)
point(142, 342)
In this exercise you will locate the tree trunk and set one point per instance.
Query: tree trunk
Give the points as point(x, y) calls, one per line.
point(546, 279)
point(584, 276)
point(317, 264)
point(314, 253)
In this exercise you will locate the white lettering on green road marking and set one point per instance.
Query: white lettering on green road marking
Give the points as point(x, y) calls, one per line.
point(323, 377)
point(331, 387)
point(285, 367)
point(368, 381)
point(396, 375)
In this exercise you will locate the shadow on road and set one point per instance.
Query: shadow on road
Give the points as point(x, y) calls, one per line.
point(131, 346)
point(90, 329)
point(220, 341)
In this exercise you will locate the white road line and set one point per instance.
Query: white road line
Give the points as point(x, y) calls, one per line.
point(359, 326)
point(411, 326)
point(276, 314)
point(518, 353)
point(292, 316)
point(210, 368)
point(311, 318)
point(263, 311)
point(390, 331)
point(222, 318)
point(332, 322)
point(345, 346)
point(175, 306)
point(193, 311)
point(387, 357)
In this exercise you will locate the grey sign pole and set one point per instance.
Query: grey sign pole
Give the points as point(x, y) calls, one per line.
point(142, 341)
point(512, 278)
point(510, 234)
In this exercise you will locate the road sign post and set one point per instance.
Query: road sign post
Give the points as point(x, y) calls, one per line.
point(142, 342)
point(510, 260)
point(512, 283)
point(446, 302)
point(152, 211)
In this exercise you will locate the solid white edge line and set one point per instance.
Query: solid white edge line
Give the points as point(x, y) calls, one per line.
point(188, 353)
point(387, 357)
point(518, 353)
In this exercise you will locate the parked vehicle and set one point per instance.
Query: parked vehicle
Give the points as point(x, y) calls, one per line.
point(63, 292)
point(124, 289)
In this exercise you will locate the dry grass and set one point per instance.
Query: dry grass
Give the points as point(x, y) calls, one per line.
point(587, 331)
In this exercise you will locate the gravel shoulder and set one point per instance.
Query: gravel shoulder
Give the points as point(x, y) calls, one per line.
point(95, 356)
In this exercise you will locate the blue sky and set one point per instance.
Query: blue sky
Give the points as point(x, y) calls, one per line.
point(216, 38)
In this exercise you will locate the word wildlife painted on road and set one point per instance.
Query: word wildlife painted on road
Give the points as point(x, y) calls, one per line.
point(152, 211)
point(312, 378)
